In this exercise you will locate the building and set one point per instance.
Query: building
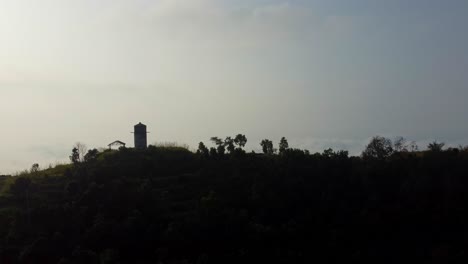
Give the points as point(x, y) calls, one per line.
point(116, 144)
point(140, 134)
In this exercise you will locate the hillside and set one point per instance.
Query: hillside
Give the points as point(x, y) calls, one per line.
point(169, 205)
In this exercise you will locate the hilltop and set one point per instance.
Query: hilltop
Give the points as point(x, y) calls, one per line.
point(170, 205)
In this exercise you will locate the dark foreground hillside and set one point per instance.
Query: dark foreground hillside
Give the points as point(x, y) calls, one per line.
point(168, 205)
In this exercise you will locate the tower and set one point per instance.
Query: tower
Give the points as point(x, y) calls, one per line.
point(140, 136)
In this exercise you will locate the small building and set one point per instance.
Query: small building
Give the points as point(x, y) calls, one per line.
point(116, 144)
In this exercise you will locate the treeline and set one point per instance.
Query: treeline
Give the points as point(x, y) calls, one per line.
point(225, 205)
point(378, 148)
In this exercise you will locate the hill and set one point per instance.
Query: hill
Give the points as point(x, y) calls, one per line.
point(169, 205)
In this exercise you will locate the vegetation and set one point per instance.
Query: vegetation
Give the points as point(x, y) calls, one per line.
point(166, 204)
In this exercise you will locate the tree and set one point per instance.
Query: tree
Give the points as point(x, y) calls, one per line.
point(91, 155)
point(82, 150)
point(221, 149)
point(240, 140)
point(202, 149)
point(267, 147)
point(436, 146)
point(217, 141)
point(78, 153)
point(229, 144)
point(35, 168)
point(283, 145)
point(378, 148)
point(328, 153)
point(213, 152)
point(342, 154)
point(463, 148)
point(75, 156)
point(400, 145)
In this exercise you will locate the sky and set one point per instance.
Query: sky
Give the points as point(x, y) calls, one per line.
point(321, 73)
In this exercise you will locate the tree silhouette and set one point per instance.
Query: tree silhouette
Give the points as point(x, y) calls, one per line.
point(283, 145)
point(240, 140)
point(267, 147)
point(328, 153)
point(217, 141)
point(221, 148)
point(378, 148)
point(202, 149)
point(82, 150)
point(229, 144)
point(35, 168)
point(75, 156)
point(436, 146)
point(213, 152)
point(400, 145)
point(91, 155)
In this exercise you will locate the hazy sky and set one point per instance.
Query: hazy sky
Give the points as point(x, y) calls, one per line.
point(322, 73)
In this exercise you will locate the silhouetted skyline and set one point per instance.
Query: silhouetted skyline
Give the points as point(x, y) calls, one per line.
point(321, 73)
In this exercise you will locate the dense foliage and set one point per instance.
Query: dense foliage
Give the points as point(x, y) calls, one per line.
point(222, 205)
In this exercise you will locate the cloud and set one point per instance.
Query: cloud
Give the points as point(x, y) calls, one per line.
point(149, 41)
point(197, 68)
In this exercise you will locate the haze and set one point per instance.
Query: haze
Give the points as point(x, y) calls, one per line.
point(321, 73)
